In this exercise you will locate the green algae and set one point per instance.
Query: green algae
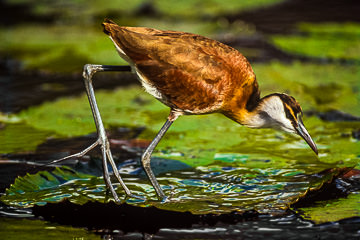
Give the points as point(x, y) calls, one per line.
point(323, 40)
point(332, 210)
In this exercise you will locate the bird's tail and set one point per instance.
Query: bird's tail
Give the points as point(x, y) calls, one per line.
point(108, 26)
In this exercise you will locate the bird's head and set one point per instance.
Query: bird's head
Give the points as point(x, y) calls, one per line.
point(281, 112)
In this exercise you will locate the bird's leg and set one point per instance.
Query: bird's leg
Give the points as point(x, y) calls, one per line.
point(146, 157)
point(89, 71)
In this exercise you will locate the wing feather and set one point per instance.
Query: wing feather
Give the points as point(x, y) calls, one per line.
point(184, 67)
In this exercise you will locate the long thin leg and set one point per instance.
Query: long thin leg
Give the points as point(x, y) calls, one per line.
point(146, 157)
point(89, 71)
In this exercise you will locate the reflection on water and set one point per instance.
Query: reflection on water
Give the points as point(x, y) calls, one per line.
point(221, 187)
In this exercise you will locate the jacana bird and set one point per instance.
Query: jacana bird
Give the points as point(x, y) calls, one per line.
point(192, 75)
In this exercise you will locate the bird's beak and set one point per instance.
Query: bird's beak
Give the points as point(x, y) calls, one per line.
point(301, 130)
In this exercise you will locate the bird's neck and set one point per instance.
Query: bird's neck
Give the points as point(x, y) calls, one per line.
point(252, 119)
point(244, 107)
point(255, 119)
point(253, 115)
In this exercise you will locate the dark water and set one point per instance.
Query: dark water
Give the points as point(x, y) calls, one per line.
point(289, 226)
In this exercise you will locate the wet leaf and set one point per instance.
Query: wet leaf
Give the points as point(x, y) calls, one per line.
point(332, 210)
point(218, 188)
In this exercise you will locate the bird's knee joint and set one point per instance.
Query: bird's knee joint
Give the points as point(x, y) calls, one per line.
point(104, 142)
point(145, 160)
point(89, 70)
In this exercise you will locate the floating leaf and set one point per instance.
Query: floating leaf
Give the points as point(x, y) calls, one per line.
point(332, 210)
point(324, 40)
point(21, 137)
point(212, 189)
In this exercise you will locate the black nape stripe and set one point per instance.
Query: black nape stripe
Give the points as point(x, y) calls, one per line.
point(253, 100)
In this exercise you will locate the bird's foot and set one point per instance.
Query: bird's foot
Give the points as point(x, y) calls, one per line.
point(165, 199)
point(131, 195)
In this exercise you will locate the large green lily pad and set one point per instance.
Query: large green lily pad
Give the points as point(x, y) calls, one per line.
point(221, 187)
point(332, 210)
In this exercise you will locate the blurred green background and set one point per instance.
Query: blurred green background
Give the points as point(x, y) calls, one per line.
point(44, 45)
point(318, 63)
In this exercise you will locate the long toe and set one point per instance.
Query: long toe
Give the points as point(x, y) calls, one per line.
point(165, 199)
point(131, 195)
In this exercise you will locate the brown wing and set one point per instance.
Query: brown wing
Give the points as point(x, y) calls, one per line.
point(194, 73)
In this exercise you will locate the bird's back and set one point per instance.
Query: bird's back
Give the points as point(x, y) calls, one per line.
point(190, 73)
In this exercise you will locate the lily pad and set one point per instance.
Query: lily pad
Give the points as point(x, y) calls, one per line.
point(332, 210)
point(20, 137)
point(325, 40)
point(218, 188)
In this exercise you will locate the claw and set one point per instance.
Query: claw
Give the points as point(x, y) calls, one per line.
point(165, 199)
